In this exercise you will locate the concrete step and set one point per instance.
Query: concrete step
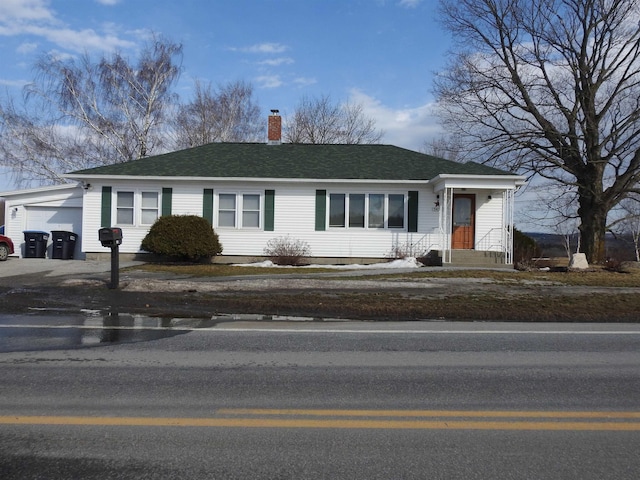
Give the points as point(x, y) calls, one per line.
point(476, 258)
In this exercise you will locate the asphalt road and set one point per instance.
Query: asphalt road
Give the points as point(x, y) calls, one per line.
point(96, 398)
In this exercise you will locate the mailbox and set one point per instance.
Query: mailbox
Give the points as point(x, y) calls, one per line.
point(110, 236)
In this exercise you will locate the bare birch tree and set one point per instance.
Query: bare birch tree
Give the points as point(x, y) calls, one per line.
point(80, 113)
point(550, 88)
point(320, 121)
point(226, 114)
point(628, 222)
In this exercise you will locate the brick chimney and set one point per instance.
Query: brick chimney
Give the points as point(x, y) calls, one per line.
point(274, 135)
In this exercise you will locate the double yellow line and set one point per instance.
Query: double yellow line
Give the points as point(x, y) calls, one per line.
point(364, 419)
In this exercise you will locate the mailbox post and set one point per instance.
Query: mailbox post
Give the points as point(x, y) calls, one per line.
point(112, 237)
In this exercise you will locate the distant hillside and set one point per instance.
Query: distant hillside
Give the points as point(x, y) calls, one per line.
point(552, 245)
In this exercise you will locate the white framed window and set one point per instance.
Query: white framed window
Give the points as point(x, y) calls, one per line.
point(125, 208)
point(149, 207)
point(227, 210)
point(250, 210)
point(137, 207)
point(375, 211)
point(239, 210)
point(337, 209)
point(367, 210)
point(356, 210)
point(396, 211)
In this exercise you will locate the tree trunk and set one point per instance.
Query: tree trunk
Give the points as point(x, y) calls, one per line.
point(592, 232)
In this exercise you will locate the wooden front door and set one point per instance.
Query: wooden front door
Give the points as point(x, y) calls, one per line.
point(464, 221)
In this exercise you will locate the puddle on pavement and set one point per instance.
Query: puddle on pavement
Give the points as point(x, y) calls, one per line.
point(120, 328)
point(44, 332)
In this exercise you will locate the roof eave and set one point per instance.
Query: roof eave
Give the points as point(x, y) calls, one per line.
point(237, 179)
point(48, 188)
point(441, 180)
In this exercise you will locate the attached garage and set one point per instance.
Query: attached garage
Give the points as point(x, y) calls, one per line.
point(46, 209)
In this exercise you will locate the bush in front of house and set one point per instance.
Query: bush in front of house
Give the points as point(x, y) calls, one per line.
point(400, 251)
point(525, 249)
point(182, 237)
point(287, 251)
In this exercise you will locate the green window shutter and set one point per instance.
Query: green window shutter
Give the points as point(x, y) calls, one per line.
point(167, 194)
point(412, 210)
point(269, 210)
point(321, 210)
point(105, 213)
point(207, 204)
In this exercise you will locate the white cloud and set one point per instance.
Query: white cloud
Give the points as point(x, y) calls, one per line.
point(81, 40)
point(261, 48)
point(36, 18)
point(13, 83)
point(13, 11)
point(275, 62)
point(27, 47)
point(409, 3)
point(269, 81)
point(405, 127)
point(304, 81)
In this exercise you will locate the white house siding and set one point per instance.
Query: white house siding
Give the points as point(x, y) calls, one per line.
point(294, 217)
point(488, 221)
point(91, 222)
point(294, 208)
point(44, 209)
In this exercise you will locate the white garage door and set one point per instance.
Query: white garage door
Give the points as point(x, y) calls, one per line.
point(48, 219)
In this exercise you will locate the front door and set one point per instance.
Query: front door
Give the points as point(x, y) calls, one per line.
point(464, 218)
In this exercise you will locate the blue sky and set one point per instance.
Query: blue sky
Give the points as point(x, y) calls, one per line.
point(381, 53)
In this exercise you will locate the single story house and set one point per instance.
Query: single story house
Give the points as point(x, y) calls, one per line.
point(347, 202)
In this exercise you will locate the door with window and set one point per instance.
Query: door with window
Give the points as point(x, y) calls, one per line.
point(464, 218)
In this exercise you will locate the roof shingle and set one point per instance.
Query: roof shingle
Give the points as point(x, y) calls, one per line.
point(295, 161)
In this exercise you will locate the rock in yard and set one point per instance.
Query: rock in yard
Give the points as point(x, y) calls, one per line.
point(578, 262)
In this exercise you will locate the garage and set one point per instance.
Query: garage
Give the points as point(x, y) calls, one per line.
point(46, 209)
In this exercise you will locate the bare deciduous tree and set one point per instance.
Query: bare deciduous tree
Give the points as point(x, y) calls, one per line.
point(228, 114)
point(443, 147)
point(551, 88)
point(320, 121)
point(79, 113)
point(628, 222)
point(34, 150)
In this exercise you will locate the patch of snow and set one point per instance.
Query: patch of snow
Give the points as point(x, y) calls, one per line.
point(408, 262)
point(265, 264)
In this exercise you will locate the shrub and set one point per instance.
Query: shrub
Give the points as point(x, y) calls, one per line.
point(525, 249)
point(615, 265)
point(184, 237)
point(287, 251)
point(400, 251)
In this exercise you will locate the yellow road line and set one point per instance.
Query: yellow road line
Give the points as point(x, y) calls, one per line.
point(428, 413)
point(341, 423)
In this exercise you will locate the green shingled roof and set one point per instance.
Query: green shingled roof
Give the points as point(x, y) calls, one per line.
point(296, 161)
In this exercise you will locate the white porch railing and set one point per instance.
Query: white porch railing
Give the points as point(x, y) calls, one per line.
point(497, 239)
point(415, 247)
point(493, 240)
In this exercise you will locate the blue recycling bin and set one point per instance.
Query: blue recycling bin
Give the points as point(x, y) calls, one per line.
point(35, 244)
